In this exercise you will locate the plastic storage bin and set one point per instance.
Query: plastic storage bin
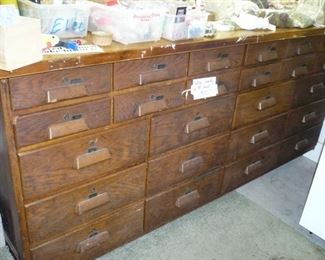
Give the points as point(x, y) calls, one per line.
point(65, 21)
point(128, 25)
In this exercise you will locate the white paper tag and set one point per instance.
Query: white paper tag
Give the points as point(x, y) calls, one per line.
point(204, 88)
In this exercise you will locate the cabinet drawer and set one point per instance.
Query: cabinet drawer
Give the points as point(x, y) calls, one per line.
point(302, 46)
point(248, 140)
point(309, 89)
point(58, 166)
point(140, 72)
point(264, 52)
point(259, 76)
point(227, 80)
point(321, 62)
point(95, 239)
point(171, 204)
point(188, 125)
point(48, 125)
point(298, 67)
point(299, 144)
point(148, 100)
point(56, 86)
point(259, 104)
point(192, 161)
point(250, 168)
point(305, 117)
point(87, 203)
point(216, 59)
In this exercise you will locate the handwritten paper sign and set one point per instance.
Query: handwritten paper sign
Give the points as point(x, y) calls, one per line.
point(204, 88)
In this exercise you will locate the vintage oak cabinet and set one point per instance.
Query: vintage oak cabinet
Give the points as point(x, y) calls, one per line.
point(99, 149)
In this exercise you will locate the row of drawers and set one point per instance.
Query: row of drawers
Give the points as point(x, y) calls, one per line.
point(105, 233)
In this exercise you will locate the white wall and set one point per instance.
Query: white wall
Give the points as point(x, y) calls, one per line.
point(2, 240)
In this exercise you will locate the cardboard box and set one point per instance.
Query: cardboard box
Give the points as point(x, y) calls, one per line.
point(20, 44)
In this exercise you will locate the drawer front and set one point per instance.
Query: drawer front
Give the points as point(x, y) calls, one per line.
point(184, 164)
point(58, 166)
point(95, 239)
point(305, 117)
point(299, 144)
point(298, 67)
point(255, 77)
point(259, 104)
point(264, 52)
point(148, 101)
point(141, 72)
point(216, 59)
point(87, 203)
point(188, 125)
point(227, 81)
point(251, 139)
point(309, 89)
point(56, 86)
point(304, 46)
point(48, 125)
point(250, 168)
point(171, 204)
point(321, 62)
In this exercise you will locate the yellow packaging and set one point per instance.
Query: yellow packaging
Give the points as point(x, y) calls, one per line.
point(9, 2)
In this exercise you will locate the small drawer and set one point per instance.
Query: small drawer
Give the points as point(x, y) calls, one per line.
point(309, 89)
point(88, 202)
point(184, 164)
point(265, 52)
point(48, 125)
point(255, 77)
point(320, 62)
point(253, 138)
point(305, 117)
point(227, 81)
point(64, 165)
point(141, 72)
point(262, 103)
point(148, 100)
point(216, 59)
point(298, 67)
point(250, 168)
point(302, 46)
point(299, 144)
point(56, 86)
point(173, 203)
point(94, 239)
point(188, 125)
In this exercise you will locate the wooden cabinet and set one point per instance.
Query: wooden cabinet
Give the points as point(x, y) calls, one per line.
point(98, 149)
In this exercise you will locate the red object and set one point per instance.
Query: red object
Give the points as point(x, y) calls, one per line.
point(111, 2)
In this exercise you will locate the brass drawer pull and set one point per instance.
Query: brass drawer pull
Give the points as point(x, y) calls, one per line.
point(92, 158)
point(191, 164)
point(260, 136)
point(152, 106)
point(253, 167)
point(158, 72)
point(265, 103)
point(91, 203)
point(260, 77)
point(301, 145)
point(222, 61)
point(197, 124)
point(270, 53)
point(67, 92)
point(317, 87)
point(66, 128)
point(308, 117)
point(94, 240)
point(187, 199)
point(300, 70)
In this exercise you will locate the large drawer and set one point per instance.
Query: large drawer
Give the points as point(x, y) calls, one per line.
point(55, 167)
point(183, 164)
point(216, 59)
point(52, 87)
point(43, 126)
point(173, 203)
point(95, 239)
point(305, 117)
point(87, 203)
point(148, 100)
point(266, 102)
point(298, 67)
point(251, 139)
point(250, 168)
point(140, 72)
point(188, 125)
point(309, 89)
point(302, 46)
point(258, 76)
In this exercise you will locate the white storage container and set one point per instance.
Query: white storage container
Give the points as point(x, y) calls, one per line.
point(63, 20)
